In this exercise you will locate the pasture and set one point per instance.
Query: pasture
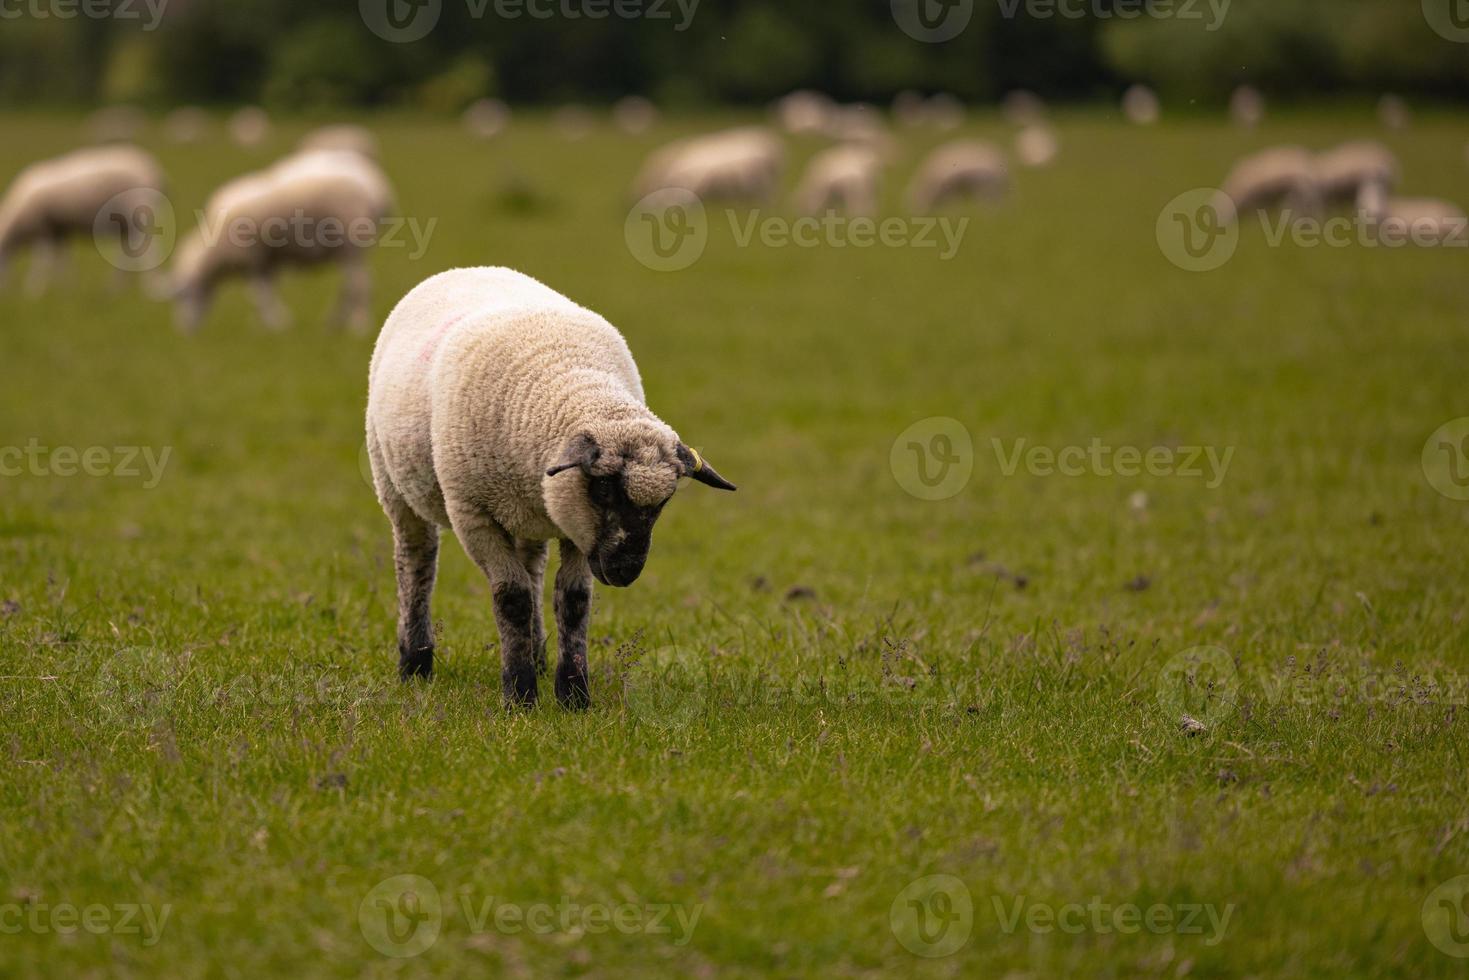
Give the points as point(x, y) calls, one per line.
point(825, 688)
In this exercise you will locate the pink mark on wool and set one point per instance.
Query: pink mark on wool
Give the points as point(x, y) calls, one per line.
point(432, 344)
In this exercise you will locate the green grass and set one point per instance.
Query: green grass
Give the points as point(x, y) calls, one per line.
point(199, 708)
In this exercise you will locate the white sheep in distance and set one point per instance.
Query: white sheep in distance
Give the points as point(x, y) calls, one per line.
point(1023, 108)
point(1281, 177)
point(486, 118)
point(347, 137)
point(958, 169)
point(845, 177)
point(1346, 172)
point(634, 115)
point(500, 409)
point(804, 113)
point(249, 127)
point(1422, 221)
point(1037, 145)
point(1247, 107)
point(86, 192)
point(313, 207)
point(1140, 105)
point(742, 164)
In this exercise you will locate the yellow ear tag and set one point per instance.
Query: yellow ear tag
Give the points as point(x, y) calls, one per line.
point(698, 460)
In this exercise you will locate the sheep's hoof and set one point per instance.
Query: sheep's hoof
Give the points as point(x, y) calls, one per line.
point(520, 687)
point(415, 663)
point(571, 690)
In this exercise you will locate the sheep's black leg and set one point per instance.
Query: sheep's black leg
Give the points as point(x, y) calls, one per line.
point(494, 552)
point(532, 555)
point(416, 559)
point(573, 612)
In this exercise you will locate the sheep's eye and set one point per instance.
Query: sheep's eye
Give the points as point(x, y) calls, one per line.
point(603, 489)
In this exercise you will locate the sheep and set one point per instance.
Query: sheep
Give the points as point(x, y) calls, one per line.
point(344, 136)
point(804, 113)
point(504, 411)
point(486, 118)
point(1281, 176)
point(958, 168)
point(1416, 220)
point(845, 177)
point(634, 114)
point(1140, 105)
point(310, 208)
point(741, 164)
point(1037, 145)
point(249, 126)
point(86, 192)
point(1347, 172)
point(1247, 107)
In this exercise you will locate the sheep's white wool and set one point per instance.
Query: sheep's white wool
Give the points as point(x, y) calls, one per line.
point(1418, 220)
point(1280, 176)
point(1037, 145)
point(1247, 107)
point(53, 200)
point(741, 164)
point(486, 118)
point(958, 169)
point(634, 114)
point(1344, 172)
point(249, 126)
point(1140, 105)
point(804, 113)
point(311, 207)
point(844, 177)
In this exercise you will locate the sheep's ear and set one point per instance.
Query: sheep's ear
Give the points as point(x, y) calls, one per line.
point(695, 468)
point(581, 453)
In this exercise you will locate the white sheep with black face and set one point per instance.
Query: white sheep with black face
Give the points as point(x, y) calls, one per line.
point(845, 177)
point(105, 189)
point(1282, 177)
point(313, 207)
point(500, 409)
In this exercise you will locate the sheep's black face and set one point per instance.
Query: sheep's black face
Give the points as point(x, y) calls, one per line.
point(624, 531)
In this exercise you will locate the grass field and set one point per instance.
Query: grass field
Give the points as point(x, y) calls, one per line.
point(825, 689)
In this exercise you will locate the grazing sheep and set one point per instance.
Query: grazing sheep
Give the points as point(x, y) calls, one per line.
point(961, 168)
point(249, 127)
point(741, 164)
point(314, 207)
point(844, 177)
point(1140, 105)
point(1037, 145)
point(1279, 177)
point(501, 409)
point(804, 113)
point(80, 193)
point(634, 115)
point(1247, 107)
point(1421, 221)
point(347, 137)
point(1347, 172)
point(1023, 108)
point(187, 124)
point(486, 118)
point(1394, 112)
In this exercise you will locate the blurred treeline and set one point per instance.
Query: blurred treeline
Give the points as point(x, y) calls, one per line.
point(302, 54)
